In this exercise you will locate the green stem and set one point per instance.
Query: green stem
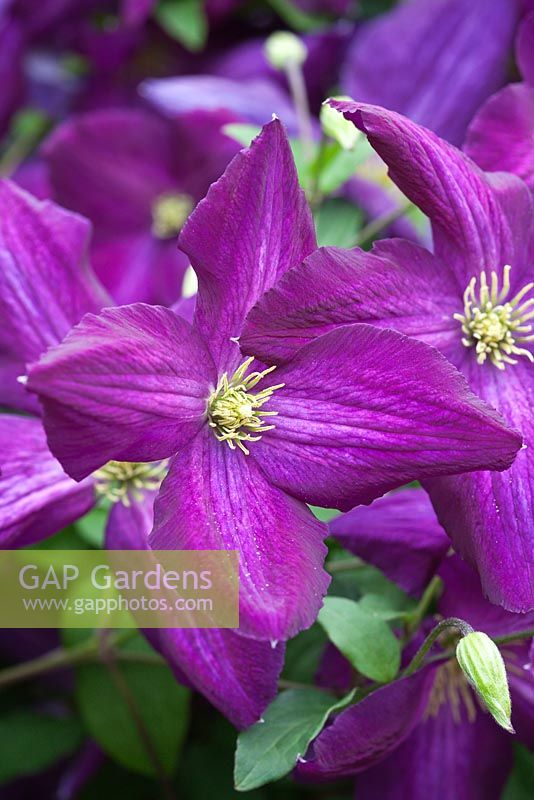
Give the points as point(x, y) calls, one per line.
point(87, 651)
point(452, 622)
point(345, 565)
point(297, 86)
point(377, 226)
point(416, 616)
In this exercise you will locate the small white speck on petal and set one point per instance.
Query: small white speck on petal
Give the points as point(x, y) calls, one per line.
point(274, 643)
point(22, 379)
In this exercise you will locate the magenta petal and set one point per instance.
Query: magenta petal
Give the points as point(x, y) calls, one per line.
point(398, 285)
point(130, 385)
point(364, 410)
point(431, 61)
point(398, 533)
point(367, 732)
point(489, 515)
point(525, 48)
point(216, 498)
point(500, 136)
point(37, 499)
point(238, 675)
point(46, 285)
point(252, 227)
point(446, 757)
point(479, 222)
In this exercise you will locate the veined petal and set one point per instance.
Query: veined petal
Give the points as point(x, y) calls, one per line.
point(215, 498)
point(398, 285)
point(446, 757)
point(500, 136)
point(398, 533)
point(46, 285)
point(37, 498)
point(252, 227)
point(130, 384)
point(521, 681)
point(479, 222)
point(364, 410)
point(239, 676)
point(367, 732)
point(429, 61)
point(488, 515)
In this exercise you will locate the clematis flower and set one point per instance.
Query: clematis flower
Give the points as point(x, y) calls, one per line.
point(500, 137)
point(353, 414)
point(427, 735)
point(125, 171)
point(428, 61)
point(471, 298)
point(45, 286)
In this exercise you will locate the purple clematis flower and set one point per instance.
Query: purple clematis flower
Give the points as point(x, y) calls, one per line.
point(353, 414)
point(45, 287)
point(470, 299)
point(427, 60)
point(125, 170)
point(501, 135)
point(426, 735)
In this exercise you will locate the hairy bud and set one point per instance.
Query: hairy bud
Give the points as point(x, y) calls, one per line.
point(482, 664)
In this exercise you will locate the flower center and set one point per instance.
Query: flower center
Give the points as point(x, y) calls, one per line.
point(451, 686)
point(169, 212)
point(120, 481)
point(494, 325)
point(233, 409)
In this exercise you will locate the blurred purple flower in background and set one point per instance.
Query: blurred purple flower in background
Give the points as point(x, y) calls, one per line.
point(501, 135)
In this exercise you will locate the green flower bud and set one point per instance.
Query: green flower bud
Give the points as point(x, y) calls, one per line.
point(337, 127)
point(283, 48)
point(483, 666)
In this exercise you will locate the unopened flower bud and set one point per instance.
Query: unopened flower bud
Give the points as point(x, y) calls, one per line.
point(482, 664)
point(337, 127)
point(283, 48)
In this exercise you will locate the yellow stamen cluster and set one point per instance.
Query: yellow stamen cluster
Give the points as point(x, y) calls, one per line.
point(169, 213)
point(122, 481)
point(233, 409)
point(451, 687)
point(493, 325)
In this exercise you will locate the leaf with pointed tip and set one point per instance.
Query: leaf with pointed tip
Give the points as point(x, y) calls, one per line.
point(270, 748)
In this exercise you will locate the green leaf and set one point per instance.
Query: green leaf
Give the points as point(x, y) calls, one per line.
point(303, 655)
point(242, 132)
point(338, 165)
point(270, 748)
point(161, 702)
point(295, 17)
point(185, 21)
point(338, 223)
point(92, 527)
point(521, 781)
point(32, 741)
point(363, 638)
point(324, 514)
